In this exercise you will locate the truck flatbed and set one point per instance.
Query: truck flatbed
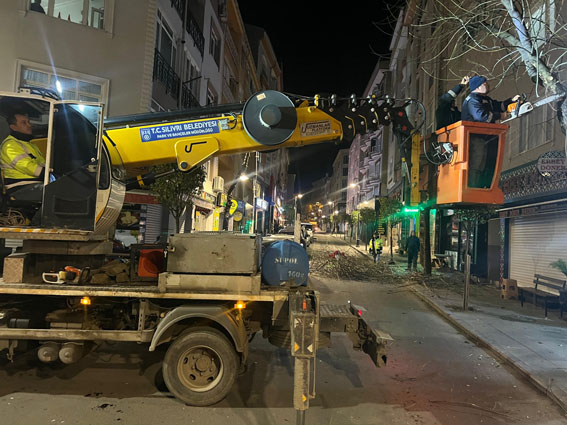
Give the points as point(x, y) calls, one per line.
point(137, 291)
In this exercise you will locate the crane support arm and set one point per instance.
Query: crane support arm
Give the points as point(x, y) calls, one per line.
point(268, 120)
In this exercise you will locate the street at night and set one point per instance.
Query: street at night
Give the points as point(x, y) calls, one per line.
point(245, 212)
point(434, 375)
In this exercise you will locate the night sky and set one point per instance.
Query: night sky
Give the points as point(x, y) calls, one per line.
point(323, 47)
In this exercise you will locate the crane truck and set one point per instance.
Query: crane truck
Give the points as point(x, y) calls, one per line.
point(210, 298)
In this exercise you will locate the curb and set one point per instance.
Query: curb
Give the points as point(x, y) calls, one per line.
point(480, 342)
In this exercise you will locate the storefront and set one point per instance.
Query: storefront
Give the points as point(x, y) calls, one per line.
point(533, 224)
point(140, 219)
point(203, 216)
point(452, 236)
point(537, 236)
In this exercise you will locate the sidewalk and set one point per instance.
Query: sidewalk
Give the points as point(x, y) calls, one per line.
point(520, 337)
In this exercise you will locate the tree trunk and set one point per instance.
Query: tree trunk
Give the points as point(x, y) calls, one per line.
point(427, 242)
point(432, 196)
point(391, 244)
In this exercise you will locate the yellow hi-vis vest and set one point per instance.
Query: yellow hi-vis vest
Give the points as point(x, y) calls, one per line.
point(377, 245)
point(20, 160)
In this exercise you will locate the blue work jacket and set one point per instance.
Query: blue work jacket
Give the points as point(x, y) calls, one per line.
point(482, 108)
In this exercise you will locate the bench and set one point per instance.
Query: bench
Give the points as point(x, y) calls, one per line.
point(548, 298)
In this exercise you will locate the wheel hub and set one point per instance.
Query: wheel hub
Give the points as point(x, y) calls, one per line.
point(200, 368)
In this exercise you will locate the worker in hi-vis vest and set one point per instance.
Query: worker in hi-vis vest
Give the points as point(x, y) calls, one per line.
point(21, 161)
point(375, 246)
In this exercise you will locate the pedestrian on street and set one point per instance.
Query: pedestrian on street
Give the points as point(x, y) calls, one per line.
point(375, 247)
point(447, 112)
point(412, 248)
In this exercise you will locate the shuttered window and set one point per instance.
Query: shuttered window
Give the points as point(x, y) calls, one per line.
point(536, 241)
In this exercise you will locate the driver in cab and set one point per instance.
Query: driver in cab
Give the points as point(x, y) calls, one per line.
point(21, 161)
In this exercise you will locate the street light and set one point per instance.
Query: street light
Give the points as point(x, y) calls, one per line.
point(296, 224)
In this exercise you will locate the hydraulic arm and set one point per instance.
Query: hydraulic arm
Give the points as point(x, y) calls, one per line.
point(267, 120)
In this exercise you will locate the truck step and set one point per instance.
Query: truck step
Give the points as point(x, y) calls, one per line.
point(334, 310)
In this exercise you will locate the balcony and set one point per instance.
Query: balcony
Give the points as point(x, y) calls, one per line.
point(374, 152)
point(188, 100)
point(179, 6)
point(195, 32)
point(373, 180)
point(164, 73)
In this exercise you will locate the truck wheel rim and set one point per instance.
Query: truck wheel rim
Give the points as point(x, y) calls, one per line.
point(200, 368)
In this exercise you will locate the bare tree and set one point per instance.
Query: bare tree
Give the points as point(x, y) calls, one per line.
point(513, 37)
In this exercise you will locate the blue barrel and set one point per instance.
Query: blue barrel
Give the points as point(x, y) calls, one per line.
point(284, 261)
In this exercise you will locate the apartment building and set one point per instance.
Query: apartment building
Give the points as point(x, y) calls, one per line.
point(151, 55)
point(365, 154)
point(531, 230)
point(338, 187)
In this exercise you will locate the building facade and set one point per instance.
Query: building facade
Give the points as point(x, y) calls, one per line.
point(533, 179)
point(158, 56)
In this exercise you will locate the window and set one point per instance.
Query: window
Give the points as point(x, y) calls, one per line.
point(378, 168)
point(345, 171)
point(165, 41)
point(85, 12)
point(214, 45)
point(536, 128)
point(69, 86)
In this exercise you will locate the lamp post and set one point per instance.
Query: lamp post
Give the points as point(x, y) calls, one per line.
point(330, 204)
point(297, 222)
point(255, 195)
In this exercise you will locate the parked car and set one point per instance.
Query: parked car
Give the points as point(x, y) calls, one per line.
point(309, 229)
point(305, 237)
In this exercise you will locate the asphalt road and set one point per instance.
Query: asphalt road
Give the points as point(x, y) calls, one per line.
point(434, 376)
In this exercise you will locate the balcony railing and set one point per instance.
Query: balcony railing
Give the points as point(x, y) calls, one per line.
point(165, 73)
point(179, 5)
point(188, 99)
point(191, 25)
point(194, 31)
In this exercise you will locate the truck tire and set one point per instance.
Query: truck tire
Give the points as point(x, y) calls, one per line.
point(200, 367)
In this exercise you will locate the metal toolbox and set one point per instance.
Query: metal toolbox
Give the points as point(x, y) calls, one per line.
point(214, 253)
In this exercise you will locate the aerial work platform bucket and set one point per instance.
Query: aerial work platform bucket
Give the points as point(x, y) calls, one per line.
point(472, 175)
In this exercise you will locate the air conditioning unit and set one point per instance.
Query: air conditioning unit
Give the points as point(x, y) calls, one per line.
point(218, 184)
